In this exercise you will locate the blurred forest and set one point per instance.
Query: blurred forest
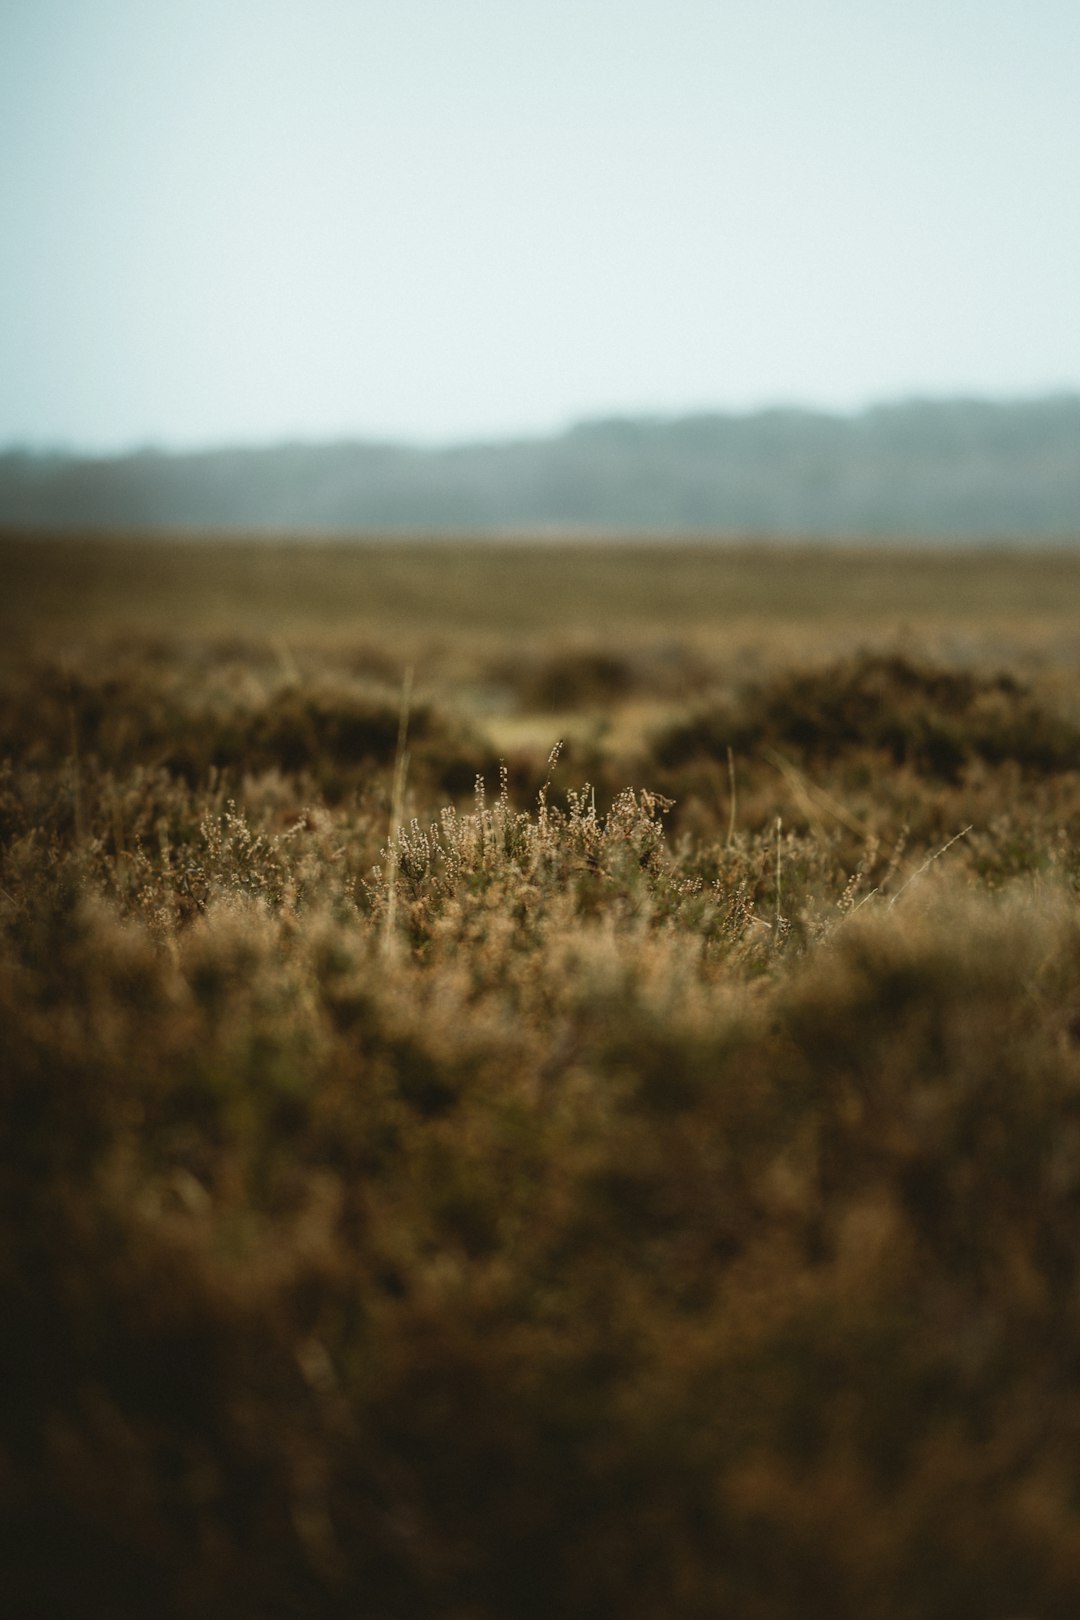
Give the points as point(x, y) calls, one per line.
point(920, 469)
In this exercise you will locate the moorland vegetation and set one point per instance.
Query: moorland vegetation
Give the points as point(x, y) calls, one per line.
point(449, 1175)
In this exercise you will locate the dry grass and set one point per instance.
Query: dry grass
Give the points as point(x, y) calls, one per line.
point(682, 1217)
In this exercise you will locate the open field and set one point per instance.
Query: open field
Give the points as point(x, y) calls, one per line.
point(327, 590)
point(646, 1185)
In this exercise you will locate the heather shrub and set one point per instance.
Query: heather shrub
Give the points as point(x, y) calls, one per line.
point(934, 719)
point(330, 735)
point(501, 1199)
point(557, 1249)
point(580, 679)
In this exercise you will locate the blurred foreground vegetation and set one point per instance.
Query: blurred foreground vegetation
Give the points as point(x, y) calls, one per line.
point(647, 1184)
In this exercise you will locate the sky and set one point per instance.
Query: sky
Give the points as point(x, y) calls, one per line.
point(248, 221)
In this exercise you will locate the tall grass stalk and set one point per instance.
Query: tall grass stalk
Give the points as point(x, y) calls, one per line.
point(397, 813)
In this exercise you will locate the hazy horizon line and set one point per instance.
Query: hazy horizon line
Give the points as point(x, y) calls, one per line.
point(424, 444)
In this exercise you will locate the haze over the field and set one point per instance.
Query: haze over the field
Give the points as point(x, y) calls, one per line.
point(241, 220)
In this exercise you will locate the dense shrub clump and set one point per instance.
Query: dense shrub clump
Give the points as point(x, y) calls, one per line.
point(331, 734)
point(933, 719)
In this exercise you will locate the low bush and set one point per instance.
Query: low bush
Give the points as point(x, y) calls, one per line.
point(935, 720)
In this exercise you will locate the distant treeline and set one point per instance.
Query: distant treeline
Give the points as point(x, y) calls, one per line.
point(955, 468)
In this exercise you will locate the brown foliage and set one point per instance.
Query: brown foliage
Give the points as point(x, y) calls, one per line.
point(622, 1222)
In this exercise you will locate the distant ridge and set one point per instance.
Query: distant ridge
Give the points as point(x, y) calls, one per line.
point(924, 469)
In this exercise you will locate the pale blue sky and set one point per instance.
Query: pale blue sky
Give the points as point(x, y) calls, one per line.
point(246, 220)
